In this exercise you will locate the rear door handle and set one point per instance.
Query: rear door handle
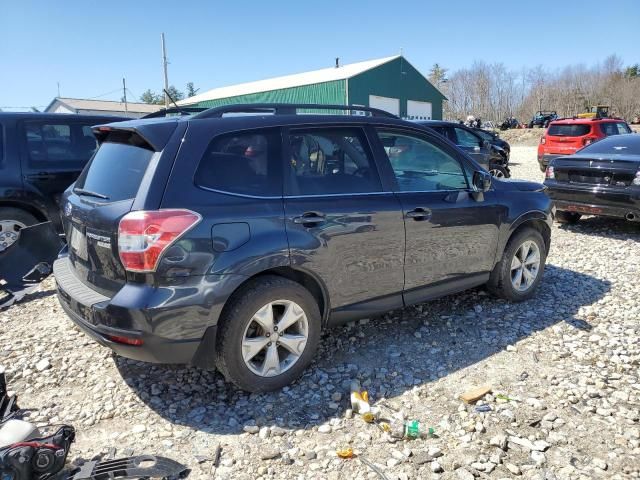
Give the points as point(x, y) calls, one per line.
point(419, 214)
point(41, 176)
point(310, 218)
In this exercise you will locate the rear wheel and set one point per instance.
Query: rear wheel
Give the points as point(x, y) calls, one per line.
point(519, 272)
point(268, 334)
point(12, 220)
point(499, 172)
point(567, 217)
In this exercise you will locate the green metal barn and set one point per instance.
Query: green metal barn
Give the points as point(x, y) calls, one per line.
point(391, 83)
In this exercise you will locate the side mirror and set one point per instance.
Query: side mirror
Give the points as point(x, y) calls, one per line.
point(481, 181)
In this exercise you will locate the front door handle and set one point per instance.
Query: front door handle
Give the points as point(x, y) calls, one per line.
point(310, 219)
point(419, 214)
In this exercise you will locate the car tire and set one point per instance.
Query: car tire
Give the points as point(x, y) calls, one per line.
point(242, 353)
point(11, 221)
point(499, 172)
point(567, 217)
point(503, 280)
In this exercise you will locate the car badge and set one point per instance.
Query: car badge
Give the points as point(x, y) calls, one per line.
point(68, 209)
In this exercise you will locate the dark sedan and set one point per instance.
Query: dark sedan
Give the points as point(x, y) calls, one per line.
point(494, 139)
point(601, 179)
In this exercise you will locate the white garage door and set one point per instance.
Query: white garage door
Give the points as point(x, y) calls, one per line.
point(418, 110)
point(391, 105)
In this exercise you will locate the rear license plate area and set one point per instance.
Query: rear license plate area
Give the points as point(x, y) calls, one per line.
point(78, 243)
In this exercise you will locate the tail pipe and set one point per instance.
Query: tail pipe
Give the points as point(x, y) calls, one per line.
point(632, 217)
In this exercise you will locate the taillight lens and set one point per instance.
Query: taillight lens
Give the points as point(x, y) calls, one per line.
point(636, 180)
point(549, 173)
point(543, 140)
point(143, 236)
point(587, 141)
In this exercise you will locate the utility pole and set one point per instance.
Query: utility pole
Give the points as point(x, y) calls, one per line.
point(124, 91)
point(58, 89)
point(166, 77)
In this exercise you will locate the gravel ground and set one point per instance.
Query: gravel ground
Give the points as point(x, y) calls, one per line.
point(563, 367)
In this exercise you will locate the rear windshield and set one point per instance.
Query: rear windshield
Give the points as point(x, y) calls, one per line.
point(115, 171)
point(625, 145)
point(568, 130)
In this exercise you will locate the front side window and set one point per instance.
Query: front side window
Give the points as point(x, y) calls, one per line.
point(331, 161)
point(246, 163)
point(68, 144)
point(466, 138)
point(420, 165)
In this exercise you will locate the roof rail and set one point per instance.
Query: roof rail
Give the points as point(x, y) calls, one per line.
point(287, 109)
point(164, 112)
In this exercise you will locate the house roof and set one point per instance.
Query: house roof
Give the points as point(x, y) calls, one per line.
point(105, 105)
point(299, 79)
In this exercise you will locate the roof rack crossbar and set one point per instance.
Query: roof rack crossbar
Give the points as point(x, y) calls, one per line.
point(287, 109)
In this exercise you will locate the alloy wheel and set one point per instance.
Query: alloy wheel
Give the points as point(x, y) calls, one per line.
point(275, 338)
point(525, 266)
point(9, 233)
point(497, 173)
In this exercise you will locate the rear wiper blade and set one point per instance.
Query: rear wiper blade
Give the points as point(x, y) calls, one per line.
point(89, 193)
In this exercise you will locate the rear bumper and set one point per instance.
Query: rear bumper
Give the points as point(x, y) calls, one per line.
point(608, 202)
point(173, 324)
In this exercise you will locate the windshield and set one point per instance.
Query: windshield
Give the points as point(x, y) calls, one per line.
point(615, 145)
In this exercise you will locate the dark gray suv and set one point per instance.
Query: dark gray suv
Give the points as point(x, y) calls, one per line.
point(230, 241)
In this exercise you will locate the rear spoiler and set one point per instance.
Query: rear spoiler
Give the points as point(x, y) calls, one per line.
point(153, 134)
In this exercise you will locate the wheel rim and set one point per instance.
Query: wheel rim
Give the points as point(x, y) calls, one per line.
point(275, 338)
point(525, 266)
point(9, 233)
point(497, 173)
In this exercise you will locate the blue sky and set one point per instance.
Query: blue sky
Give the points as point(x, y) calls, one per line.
point(88, 46)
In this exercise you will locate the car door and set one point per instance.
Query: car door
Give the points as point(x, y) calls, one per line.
point(341, 225)
point(472, 144)
point(54, 154)
point(451, 233)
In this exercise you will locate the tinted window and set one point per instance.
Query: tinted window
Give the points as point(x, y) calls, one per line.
point(246, 163)
point(627, 145)
point(420, 165)
point(1, 144)
point(567, 130)
point(116, 170)
point(331, 161)
point(67, 144)
point(466, 138)
point(614, 128)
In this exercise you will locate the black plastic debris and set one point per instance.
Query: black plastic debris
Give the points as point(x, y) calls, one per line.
point(145, 466)
point(8, 404)
point(27, 262)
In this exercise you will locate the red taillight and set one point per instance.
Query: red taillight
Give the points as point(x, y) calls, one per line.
point(549, 173)
point(144, 235)
point(136, 342)
point(587, 141)
point(543, 140)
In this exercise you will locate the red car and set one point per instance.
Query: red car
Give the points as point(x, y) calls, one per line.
point(566, 136)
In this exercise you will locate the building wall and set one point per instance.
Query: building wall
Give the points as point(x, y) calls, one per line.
point(322, 93)
point(396, 79)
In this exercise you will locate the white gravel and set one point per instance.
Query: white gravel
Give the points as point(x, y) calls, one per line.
point(563, 368)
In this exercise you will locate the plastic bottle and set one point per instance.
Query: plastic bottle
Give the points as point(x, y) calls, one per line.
point(410, 429)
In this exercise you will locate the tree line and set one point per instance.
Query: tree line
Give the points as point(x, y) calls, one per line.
point(493, 92)
point(157, 98)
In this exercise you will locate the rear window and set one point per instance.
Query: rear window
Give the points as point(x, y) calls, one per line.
point(247, 163)
point(627, 145)
point(568, 130)
point(116, 171)
point(614, 128)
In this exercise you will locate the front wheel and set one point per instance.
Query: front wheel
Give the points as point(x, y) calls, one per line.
point(567, 217)
point(519, 272)
point(268, 334)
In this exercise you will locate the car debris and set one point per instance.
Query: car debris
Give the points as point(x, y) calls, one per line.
point(27, 262)
point(146, 466)
point(8, 403)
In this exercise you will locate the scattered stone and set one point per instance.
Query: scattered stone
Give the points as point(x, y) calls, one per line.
point(475, 394)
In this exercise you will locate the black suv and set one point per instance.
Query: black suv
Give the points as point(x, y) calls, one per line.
point(543, 118)
point(232, 240)
point(41, 154)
